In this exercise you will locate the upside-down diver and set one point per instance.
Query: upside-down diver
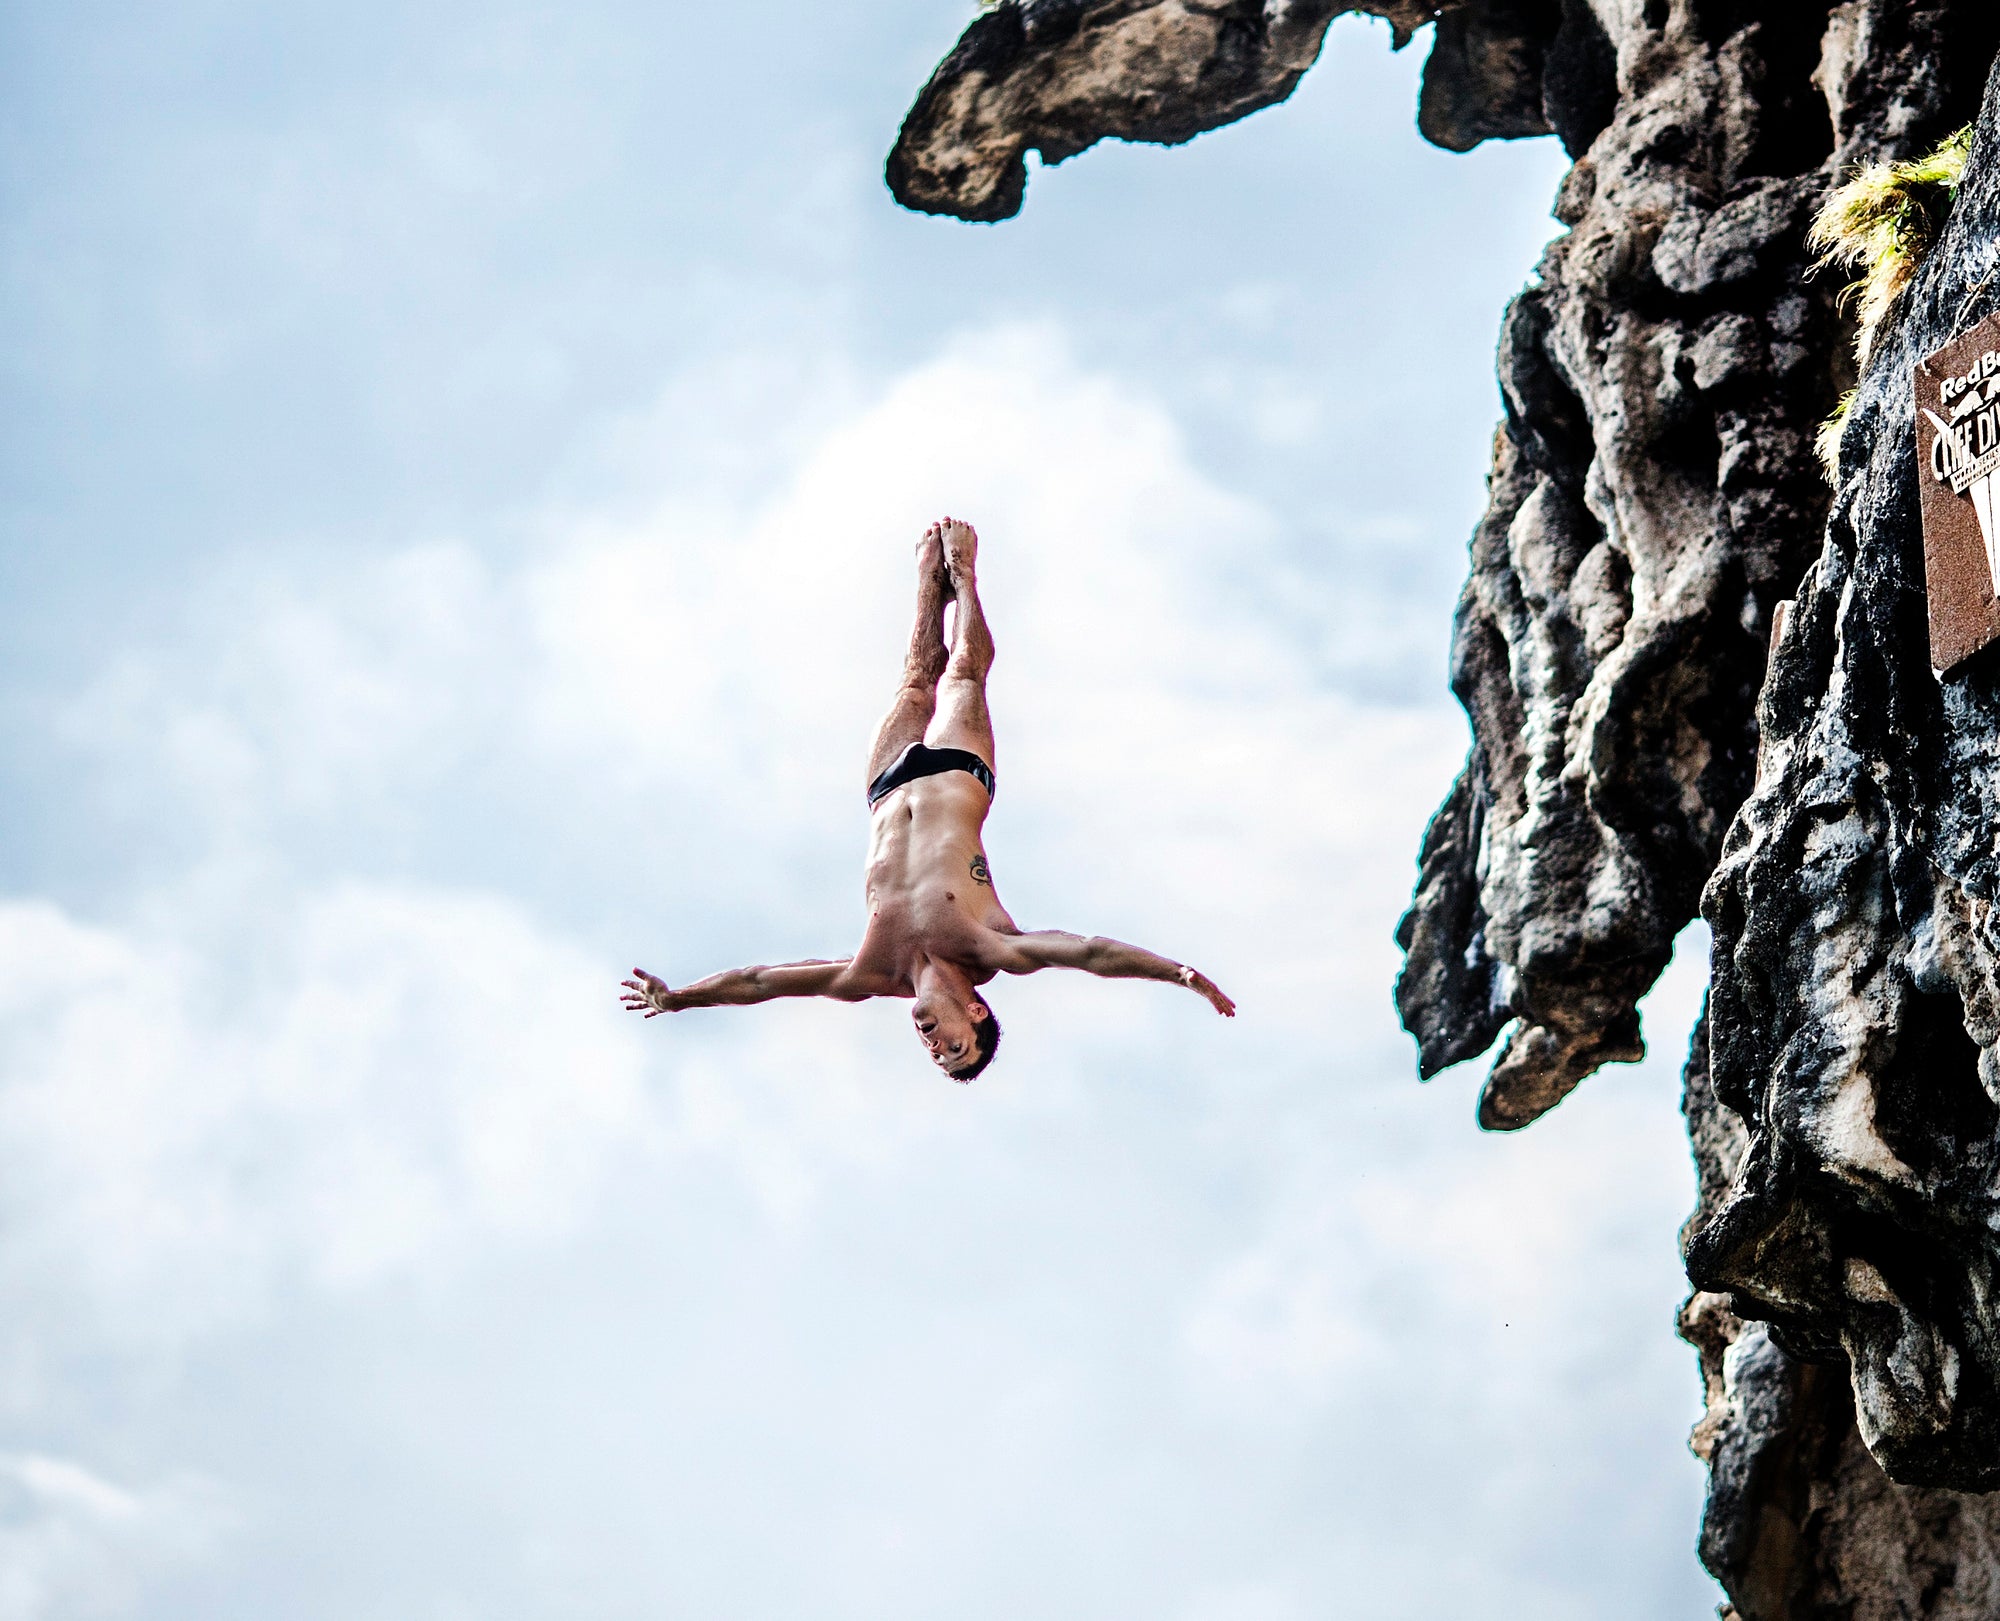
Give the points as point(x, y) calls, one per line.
point(936, 929)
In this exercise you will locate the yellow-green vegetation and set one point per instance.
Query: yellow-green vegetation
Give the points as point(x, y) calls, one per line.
point(1827, 441)
point(1882, 223)
point(1879, 227)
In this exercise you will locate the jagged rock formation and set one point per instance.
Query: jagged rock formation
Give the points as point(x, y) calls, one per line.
point(1856, 1003)
point(1653, 499)
point(1801, 1523)
point(1058, 76)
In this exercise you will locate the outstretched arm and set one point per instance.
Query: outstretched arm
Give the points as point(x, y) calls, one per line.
point(740, 987)
point(1108, 959)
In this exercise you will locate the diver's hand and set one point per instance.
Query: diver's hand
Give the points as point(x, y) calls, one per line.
point(1207, 989)
point(650, 994)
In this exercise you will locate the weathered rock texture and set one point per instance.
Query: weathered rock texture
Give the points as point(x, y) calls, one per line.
point(1058, 76)
point(1802, 1524)
point(1653, 498)
point(1856, 999)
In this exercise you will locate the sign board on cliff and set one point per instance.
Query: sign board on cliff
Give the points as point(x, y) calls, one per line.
point(1958, 458)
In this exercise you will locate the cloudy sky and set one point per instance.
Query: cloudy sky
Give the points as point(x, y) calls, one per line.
point(462, 467)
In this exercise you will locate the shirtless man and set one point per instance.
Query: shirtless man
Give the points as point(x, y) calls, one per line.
point(936, 929)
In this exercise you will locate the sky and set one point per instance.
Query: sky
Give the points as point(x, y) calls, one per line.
point(462, 471)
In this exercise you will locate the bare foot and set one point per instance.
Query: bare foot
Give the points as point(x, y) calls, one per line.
point(930, 556)
point(961, 550)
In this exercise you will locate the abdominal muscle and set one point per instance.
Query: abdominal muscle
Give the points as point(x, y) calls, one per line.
point(923, 851)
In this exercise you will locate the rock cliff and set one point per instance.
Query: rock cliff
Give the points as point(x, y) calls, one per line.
point(1855, 1010)
point(1653, 499)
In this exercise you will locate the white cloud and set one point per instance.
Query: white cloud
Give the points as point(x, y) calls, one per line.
point(1255, 1602)
point(404, 1070)
point(276, 1064)
point(1347, 1272)
point(430, 806)
point(75, 1546)
point(328, 1168)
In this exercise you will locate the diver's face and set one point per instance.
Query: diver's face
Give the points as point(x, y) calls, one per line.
point(945, 1027)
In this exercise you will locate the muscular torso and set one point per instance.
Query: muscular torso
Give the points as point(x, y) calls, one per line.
point(928, 889)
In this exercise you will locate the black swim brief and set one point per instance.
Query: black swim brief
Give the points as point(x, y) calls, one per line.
point(920, 760)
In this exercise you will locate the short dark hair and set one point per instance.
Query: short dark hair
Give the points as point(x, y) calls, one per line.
point(987, 1030)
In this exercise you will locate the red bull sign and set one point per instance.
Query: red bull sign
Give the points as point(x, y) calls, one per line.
point(1958, 458)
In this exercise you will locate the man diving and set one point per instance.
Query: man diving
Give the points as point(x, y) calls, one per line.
point(936, 929)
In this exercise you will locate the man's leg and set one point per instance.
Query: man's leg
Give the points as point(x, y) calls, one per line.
point(916, 699)
point(963, 721)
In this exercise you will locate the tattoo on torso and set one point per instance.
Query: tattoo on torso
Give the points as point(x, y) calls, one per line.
point(980, 873)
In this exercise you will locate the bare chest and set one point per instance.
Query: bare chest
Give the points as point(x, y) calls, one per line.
point(928, 885)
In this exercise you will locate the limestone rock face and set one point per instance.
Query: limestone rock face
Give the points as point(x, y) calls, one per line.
point(1856, 1001)
point(1057, 76)
point(1801, 1523)
point(1653, 497)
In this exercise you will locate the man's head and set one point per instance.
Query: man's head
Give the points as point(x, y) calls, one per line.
point(953, 1022)
point(986, 1033)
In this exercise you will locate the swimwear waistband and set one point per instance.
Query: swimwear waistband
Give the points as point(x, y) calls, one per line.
point(921, 760)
